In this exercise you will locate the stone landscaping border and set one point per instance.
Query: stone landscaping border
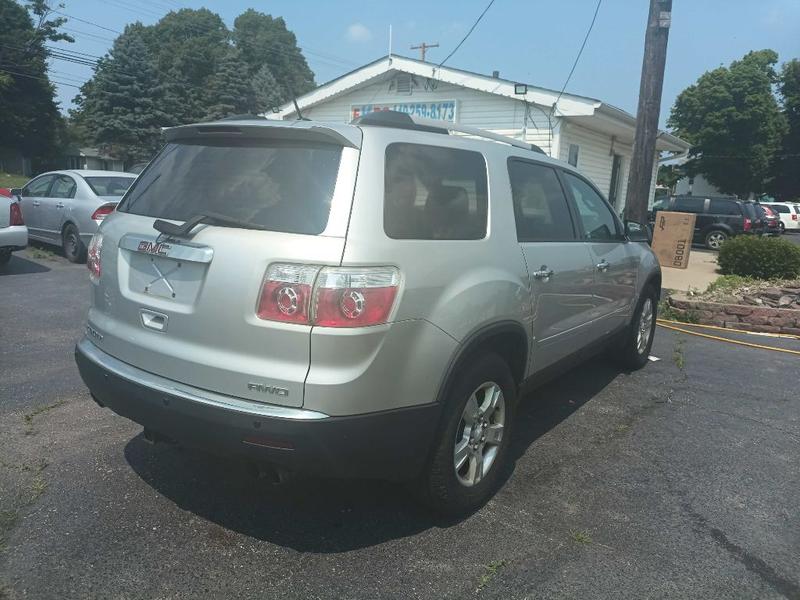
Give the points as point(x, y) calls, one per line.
point(763, 319)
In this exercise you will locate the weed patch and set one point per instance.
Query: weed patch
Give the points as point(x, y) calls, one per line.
point(490, 572)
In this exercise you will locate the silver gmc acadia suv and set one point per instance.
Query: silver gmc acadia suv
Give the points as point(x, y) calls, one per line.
point(358, 300)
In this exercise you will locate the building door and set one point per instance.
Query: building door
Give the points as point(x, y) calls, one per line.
point(616, 182)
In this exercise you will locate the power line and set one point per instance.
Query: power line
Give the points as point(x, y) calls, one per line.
point(577, 58)
point(474, 25)
point(85, 21)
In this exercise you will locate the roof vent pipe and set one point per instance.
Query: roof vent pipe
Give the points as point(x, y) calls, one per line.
point(496, 74)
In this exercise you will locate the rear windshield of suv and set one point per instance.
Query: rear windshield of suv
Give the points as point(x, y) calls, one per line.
point(276, 185)
point(434, 193)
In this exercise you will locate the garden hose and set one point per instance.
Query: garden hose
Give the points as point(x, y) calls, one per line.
point(666, 325)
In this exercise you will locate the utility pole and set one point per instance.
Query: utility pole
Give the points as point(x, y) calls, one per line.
point(644, 146)
point(423, 47)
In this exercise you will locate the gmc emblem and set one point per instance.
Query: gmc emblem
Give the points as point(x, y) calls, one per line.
point(159, 248)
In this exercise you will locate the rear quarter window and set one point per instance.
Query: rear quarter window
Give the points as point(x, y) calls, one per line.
point(690, 205)
point(434, 193)
point(724, 207)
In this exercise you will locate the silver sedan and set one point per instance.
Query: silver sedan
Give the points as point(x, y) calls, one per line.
point(65, 207)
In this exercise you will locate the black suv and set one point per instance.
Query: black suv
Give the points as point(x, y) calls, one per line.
point(718, 218)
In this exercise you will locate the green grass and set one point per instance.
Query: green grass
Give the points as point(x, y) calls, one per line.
point(489, 573)
point(726, 284)
point(677, 355)
point(666, 311)
point(7, 180)
point(581, 537)
point(29, 417)
point(41, 253)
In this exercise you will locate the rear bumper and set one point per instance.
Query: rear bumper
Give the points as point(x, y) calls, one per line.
point(386, 445)
point(14, 238)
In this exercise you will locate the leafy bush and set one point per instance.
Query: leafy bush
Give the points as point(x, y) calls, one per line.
point(759, 257)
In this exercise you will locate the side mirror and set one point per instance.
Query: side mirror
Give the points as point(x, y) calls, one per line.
point(16, 192)
point(637, 232)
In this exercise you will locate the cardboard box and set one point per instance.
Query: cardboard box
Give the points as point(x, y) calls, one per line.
point(672, 238)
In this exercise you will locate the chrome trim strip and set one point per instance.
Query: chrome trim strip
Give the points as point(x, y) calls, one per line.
point(168, 247)
point(208, 398)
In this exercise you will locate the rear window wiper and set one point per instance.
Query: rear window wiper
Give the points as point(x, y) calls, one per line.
point(210, 218)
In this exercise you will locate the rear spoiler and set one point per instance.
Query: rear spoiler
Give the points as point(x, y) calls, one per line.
point(342, 135)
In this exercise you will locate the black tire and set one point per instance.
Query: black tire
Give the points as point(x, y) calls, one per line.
point(440, 485)
point(633, 355)
point(782, 227)
point(715, 238)
point(73, 246)
point(5, 256)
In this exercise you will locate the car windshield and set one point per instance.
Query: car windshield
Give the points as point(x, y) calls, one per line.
point(109, 186)
point(276, 185)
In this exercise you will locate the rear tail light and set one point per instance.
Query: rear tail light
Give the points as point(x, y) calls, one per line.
point(794, 217)
point(748, 224)
point(286, 293)
point(328, 296)
point(103, 211)
point(93, 257)
point(355, 297)
point(15, 218)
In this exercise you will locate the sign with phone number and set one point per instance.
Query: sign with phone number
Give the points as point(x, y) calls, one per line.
point(440, 111)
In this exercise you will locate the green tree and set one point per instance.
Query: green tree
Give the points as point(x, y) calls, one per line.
point(264, 40)
point(121, 105)
point(786, 183)
point(29, 119)
point(669, 175)
point(734, 124)
point(187, 45)
point(228, 90)
point(266, 91)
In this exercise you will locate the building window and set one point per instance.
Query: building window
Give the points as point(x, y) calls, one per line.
point(573, 154)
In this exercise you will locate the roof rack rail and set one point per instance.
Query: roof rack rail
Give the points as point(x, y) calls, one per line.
point(392, 118)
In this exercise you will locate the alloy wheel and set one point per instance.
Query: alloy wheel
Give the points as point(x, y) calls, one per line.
point(479, 434)
point(645, 326)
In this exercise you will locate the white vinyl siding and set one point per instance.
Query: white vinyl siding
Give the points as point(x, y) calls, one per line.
point(596, 158)
point(499, 114)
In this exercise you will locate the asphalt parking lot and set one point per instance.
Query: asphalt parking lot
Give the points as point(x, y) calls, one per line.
point(681, 480)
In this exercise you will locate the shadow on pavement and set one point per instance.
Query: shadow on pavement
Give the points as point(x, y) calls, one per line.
point(316, 515)
point(22, 266)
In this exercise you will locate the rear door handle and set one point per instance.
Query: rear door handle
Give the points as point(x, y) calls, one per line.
point(602, 266)
point(35, 203)
point(543, 273)
point(59, 205)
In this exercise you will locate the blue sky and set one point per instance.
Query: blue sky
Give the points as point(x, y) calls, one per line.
point(531, 41)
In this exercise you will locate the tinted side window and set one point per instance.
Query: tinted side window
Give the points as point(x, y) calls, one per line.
point(434, 193)
point(779, 208)
point(38, 188)
point(598, 220)
point(540, 207)
point(750, 210)
point(724, 207)
point(692, 205)
point(63, 187)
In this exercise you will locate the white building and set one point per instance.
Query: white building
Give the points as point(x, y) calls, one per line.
point(593, 135)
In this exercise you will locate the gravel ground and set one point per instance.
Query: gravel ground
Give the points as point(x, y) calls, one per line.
point(680, 480)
